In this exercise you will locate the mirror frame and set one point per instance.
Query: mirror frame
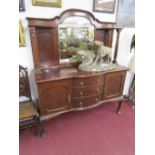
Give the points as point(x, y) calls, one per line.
point(64, 26)
point(103, 32)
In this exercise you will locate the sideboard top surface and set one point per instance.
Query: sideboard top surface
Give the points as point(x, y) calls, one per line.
point(69, 72)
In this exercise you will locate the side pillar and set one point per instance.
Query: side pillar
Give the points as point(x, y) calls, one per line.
point(118, 30)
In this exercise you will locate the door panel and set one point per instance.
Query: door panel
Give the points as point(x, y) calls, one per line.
point(114, 83)
point(54, 96)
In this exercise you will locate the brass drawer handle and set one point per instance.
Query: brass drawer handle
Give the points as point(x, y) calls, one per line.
point(81, 104)
point(97, 99)
point(81, 93)
point(81, 83)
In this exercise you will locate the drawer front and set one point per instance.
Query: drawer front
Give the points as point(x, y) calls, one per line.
point(86, 101)
point(87, 91)
point(90, 81)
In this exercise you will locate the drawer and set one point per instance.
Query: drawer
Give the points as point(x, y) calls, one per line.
point(86, 101)
point(90, 81)
point(79, 92)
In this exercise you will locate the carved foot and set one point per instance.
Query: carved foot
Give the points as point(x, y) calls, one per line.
point(41, 132)
point(119, 112)
point(120, 103)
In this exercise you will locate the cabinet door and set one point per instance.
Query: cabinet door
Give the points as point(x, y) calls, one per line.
point(114, 83)
point(54, 96)
point(47, 46)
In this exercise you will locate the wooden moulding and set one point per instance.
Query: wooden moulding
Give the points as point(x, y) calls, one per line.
point(38, 26)
point(56, 81)
point(50, 22)
point(49, 116)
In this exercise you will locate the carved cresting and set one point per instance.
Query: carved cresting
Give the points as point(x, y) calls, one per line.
point(32, 29)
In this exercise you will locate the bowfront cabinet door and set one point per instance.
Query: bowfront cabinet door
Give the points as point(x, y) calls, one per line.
point(114, 83)
point(54, 96)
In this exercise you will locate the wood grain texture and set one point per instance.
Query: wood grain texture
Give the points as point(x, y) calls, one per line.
point(63, 87)
point(78, 90)
point(54, 96)
point(44, 36)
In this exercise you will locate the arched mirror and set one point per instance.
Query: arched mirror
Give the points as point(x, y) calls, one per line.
point(75, 33)
point(56, 41)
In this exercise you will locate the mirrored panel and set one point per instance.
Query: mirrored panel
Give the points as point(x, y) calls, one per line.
point(75, 33)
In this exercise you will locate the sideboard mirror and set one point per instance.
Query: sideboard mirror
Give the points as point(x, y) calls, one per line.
point(75, 33)
point(55, 41)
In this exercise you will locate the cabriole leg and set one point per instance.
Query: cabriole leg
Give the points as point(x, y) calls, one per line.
point(120, 104)
point(40, 132)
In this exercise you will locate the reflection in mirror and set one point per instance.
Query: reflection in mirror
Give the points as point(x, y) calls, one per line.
point(75, 33)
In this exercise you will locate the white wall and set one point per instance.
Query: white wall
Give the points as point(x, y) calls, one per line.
point(124, 45)
point(25, 53)
point(124, 54)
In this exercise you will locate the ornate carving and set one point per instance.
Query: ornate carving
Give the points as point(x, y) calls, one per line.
point(24, 88)
point(33, 33)
point(98, 60)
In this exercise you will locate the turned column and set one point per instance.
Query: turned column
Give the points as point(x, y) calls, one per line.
point(118, 30)
point(34, 44)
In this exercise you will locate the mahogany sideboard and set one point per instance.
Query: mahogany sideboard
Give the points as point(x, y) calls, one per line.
point(63, 87)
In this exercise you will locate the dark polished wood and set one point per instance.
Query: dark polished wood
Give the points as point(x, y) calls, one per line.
point(114, 83)
point(63, 87)
point(118, 31)
point(54, 96)
point(44, 36)
point(87, 91)
point(85, 101)
point(53, 74)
